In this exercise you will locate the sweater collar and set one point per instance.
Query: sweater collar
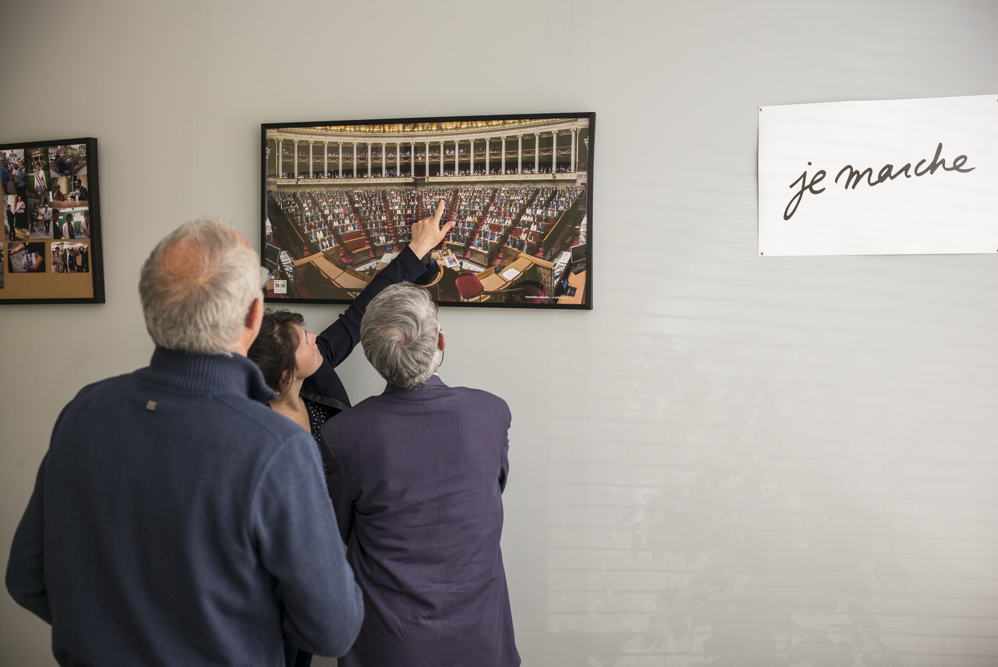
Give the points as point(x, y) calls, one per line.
point(223, 372)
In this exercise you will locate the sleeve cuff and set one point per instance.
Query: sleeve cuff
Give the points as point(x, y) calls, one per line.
point(413, 266)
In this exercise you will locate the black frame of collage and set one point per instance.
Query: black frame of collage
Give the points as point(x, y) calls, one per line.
point(47, 284)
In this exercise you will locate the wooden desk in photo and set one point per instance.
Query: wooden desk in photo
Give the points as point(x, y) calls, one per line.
point(493, 282)
point(340, 277)
point(578, 281)
point(509, 272)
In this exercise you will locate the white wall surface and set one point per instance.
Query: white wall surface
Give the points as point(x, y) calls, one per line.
point(757, 461)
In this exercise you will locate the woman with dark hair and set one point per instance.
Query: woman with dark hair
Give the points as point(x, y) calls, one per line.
point(286, 355)
point(300, 366)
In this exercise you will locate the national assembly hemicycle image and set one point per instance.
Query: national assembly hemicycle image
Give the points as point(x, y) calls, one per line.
point(339, 198)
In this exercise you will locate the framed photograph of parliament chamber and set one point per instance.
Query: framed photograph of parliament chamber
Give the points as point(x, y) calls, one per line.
point(50, 251)
point(338, 199)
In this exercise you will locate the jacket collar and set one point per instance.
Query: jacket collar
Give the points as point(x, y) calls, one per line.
point(433, 383)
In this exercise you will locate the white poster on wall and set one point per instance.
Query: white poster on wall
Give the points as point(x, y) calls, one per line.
point(872, 178)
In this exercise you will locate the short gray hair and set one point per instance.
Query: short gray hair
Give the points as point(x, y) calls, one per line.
point(399, 333)
point(198, 285)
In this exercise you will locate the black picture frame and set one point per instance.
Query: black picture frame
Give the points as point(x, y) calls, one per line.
point(51, 246)
point(337, 198)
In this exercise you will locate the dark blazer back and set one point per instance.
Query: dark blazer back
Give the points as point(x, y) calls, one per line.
point(417, 479)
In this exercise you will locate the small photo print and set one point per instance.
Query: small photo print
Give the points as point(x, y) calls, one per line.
point(16, 221)
point(13, 175)
point(70, 224)
point(40, 219)
point(70, 258)
point(9, 222)
point(69, 161)
point(68, 172)
point(26, 258)
point(40, 177)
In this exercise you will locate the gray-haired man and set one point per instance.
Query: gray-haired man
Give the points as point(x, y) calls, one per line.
point(417, 476)
point(161, 530)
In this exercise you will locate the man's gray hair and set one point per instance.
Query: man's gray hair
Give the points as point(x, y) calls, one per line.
point(399, 333)
point(198, 286)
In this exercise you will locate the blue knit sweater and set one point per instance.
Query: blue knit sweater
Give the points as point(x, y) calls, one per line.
point(177, 520)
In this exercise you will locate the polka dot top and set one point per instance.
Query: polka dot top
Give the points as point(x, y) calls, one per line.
point(319, 414)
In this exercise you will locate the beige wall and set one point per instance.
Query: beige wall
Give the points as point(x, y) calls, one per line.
point(802, 442)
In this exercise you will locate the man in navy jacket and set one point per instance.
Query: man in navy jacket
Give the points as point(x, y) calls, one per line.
point(417, 477)
point(161, 530)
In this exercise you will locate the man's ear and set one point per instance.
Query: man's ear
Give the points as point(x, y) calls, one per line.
point(251, 327)
point(441, 341)
point(254, 317)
